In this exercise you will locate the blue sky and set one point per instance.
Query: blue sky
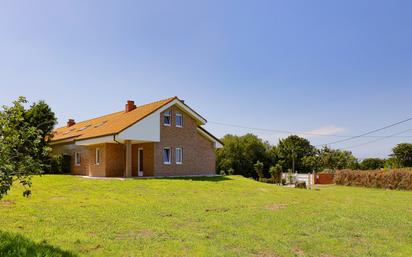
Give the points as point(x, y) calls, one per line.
point(328, 67)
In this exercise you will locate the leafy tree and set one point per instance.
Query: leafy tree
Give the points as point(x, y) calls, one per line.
point(292, 150)
point(312, 163)
point(372, 164)
point(403, 154)
point(241, 153)
point(258, 166)
point(336, 159)
point(276, 172)
point(22, 148)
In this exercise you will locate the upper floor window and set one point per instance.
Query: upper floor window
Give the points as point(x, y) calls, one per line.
point(179, 120)
point(97, 156)
point(179, 155)
point(167, 155)
point(77, 158)
point(167, 118)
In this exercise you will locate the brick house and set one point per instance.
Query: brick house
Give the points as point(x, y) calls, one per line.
point(163, 138)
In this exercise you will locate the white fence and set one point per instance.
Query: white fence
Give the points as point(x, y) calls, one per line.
point(309, 178)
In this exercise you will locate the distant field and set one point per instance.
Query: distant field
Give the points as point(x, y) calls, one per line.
point(230, 216)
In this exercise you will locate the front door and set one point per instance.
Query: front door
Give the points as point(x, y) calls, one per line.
point(140, 162)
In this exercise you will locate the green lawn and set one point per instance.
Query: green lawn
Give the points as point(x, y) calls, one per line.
point(231, 216)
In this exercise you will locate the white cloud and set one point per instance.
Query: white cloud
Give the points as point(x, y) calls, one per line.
point(326, 131)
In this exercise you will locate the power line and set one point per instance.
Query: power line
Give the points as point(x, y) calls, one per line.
point(376, 140)
point(287, 131)
point(368, 133)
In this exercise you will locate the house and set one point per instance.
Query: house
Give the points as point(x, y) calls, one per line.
point(163, 138)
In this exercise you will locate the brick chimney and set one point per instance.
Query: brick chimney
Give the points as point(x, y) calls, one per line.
point(130, 106)
point(70, 122)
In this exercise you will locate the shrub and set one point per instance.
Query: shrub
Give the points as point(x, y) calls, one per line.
point(222, 173)
point(391, 179)
point(60, 164)
point(258, 166)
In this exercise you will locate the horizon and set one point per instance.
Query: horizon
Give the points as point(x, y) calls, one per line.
point(341, 68)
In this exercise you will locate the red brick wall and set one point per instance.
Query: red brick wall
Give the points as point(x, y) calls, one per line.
point(148, 159)
point(115, 160)
point(198, 152)
point(112, 160)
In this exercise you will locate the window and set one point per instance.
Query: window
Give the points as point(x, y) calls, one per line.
point(179, 156)
point(166, 118)
point(77, 158)
point(100, 124)
point(179, 120)
point(97, 156)
point(167, 155)
point(83, 128)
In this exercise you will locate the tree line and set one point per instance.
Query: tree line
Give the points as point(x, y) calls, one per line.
point(249, 155)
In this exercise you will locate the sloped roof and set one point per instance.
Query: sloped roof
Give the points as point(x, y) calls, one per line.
point(108, 124)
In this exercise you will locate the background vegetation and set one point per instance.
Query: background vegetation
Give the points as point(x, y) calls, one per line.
point(296, 154)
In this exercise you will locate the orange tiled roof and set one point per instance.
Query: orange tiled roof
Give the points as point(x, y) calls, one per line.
point(108, 124)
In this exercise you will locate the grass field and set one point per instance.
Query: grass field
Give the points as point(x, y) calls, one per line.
point(221, 216)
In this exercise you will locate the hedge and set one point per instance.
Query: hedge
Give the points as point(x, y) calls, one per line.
point(390, 179)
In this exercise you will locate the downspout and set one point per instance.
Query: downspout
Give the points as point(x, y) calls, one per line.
point(114, 139)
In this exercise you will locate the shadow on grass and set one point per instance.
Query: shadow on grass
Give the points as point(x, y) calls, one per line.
point(13, 244)
point(200, 178)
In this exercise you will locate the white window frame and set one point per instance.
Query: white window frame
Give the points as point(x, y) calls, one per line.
point(170, 155)
point(97, 161)
point(77, 154)
point(169, 114)
point(181, 120)
point(181, 155)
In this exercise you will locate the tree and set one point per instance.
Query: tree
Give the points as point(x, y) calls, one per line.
point(336, 159)
point(403, 154)
point(258, 166)
point(276, 173)
point(241, 153)
point(22, 148)
point(372, 164)
point(292, 149)
point(312, 163)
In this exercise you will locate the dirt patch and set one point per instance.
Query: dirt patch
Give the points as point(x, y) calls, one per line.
point(327, 255)
point(217, 210)
point(263, 189)
point(133, 235)
point(57, 198)
point(7, 203)
point(276, 207)
point(266, 254)
point(298, 252)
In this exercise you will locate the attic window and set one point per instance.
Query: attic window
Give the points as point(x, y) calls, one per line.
point(68, 131)
point(83, 128)
point(100, 124)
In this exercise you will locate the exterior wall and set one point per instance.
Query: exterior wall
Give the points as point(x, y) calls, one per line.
point(148, 159)
point(198, 152)
point(71, 149)
point(111, 159)
point(115, 160)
